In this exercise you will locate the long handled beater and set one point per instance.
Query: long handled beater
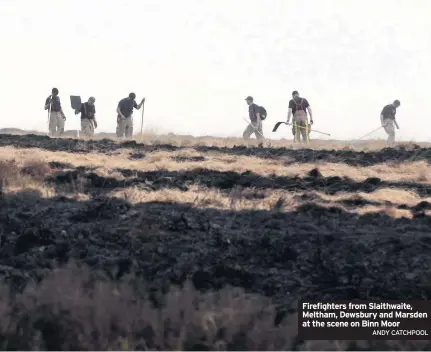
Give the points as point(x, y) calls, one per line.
point(326, 134)
point(281, 122)
point(255, 129)
point(142, 119)
point(49, 112)
point(371, 132)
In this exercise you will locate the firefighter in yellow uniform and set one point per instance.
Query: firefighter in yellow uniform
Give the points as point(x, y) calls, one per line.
point(298, 108)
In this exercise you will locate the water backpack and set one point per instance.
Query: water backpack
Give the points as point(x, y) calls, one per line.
point(299, 106)
point(262, 113)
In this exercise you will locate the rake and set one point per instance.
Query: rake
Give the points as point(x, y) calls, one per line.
point(281, 122)
point(371, 132)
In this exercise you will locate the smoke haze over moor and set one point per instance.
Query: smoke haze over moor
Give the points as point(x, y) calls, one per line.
point(196, 61)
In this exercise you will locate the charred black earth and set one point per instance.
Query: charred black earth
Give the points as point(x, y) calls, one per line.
point(314, 252)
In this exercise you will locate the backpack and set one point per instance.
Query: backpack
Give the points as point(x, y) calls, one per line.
point(262, 113)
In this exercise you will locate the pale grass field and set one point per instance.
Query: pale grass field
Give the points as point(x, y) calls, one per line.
point(162, 160)
point(418, 172)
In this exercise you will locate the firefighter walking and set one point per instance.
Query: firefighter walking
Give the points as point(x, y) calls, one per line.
point(298, 107)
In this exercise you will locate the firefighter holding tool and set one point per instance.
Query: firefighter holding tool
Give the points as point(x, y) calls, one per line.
point(88, 117)
point(298, 107)
point(388, 121)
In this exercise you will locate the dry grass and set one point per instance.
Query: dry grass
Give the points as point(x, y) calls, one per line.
point(415, 171)
point(17, 176)
point(246, 199)
point(27, 173)
point(152, 137)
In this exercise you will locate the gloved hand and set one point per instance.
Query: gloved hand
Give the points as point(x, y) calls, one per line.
point(95, 124)
point(311, 122)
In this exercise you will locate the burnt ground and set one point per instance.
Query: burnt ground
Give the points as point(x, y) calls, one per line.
point(313, 253)
point(223, 180)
